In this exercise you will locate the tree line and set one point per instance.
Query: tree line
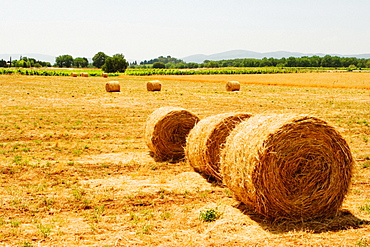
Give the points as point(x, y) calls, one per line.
point(24, 62)
point(116, 63)
point(305, 61)
point(162, 59)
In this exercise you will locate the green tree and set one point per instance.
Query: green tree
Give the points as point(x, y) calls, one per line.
point(211, 64)
point(159, 65)
point(64, 61)
point(265, 62)
point(22, 63)
point(2, 63)
point(162, 59)
point(336, 62)
point(291, 62)
point(315, 61)
point(28, 62)
point(361, 63)
point(114, 64)
point(80, 62)
point(303, 62)
point(347, 61)
point(32, 61)
point(99, 59)
point(171, 66)
point(192, 65)
point(368, 63)
point(19, 63)
point(327, 61)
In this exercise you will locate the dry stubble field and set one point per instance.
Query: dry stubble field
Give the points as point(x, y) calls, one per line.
point(75, 170)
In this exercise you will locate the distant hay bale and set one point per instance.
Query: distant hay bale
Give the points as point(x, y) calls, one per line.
point(112, 86)
point(232, 86)
point(153, 86)
point(287, 166)
point(74, 74)
point(166, 130)
point(206, 139)
point(84, 74)
point(105, 75)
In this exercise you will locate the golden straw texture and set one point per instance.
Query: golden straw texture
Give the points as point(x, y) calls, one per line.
point(112, 86)
point(232, 86)
point(205, 141)
point(153, 86)
point(166, 130)
point(287, 166)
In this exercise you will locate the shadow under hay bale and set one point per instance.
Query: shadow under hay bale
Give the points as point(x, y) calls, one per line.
point(153, 86)
point(232, 86)
point(287, 166)
point(166, 130)
point(343, 220)
point(205, 141)
point(112, 86)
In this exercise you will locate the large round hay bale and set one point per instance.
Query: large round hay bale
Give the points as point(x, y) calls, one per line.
point(112, 86)
point(74, 74)
point(153, 86)
point(166, 130)
point(105, 75)
point(84, 74)
point(206, 140)
point(287, 166)
point(232, 86)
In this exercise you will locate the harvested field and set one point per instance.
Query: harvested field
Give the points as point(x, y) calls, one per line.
point(76, 170)
point(331, 79)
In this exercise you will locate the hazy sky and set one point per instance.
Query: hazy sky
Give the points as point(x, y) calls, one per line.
point(143, 29)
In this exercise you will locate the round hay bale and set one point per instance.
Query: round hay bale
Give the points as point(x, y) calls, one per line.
point(287, 166)
point(112, 86)
point(166, 130)
point(84, 74)
point(206, 139)
point(232, 86)
point(74, 74)
point(153, 86)
point(105, 75)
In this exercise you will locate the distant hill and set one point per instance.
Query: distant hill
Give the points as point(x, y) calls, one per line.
point(234, 54)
